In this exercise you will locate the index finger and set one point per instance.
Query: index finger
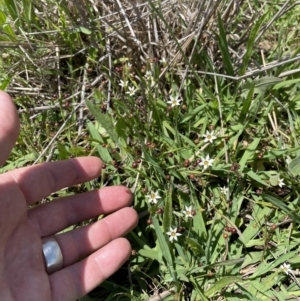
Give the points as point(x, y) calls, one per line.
point(9, 126)
point(39, 181)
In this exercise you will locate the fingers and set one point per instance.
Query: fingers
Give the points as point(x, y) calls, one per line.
point(81, 242)
point(39, 181)
point(9, 126)
point(77, 280)
point(55, 216)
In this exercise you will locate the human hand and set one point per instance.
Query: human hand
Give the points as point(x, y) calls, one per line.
point(90, 254)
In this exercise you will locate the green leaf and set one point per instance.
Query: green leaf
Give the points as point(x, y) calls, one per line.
point(104, 120)
point(162, 241)
point(163, 244)
point(237, 127)
point(250, 44)
point(122, 131)
point(265, 267)
point(85, 30)
point(274, 180)
point(279, 204)
point(154, 164)
point(168, 211)
point(152, 254)
point(63, 153)
point(190, 115)
point(9, 34)
point(199, 224)
point(252, 228)
point(5, 83)
point(261, 84)
point(195, 246)
point(12, 7)
point(228, 262)
point(20, 162)
point(27, 10)
point(249, 152)
point(286, 83)
point(169, 127)
point(294, 166)
point(246, 105)
point(2, 18)
point(218, 286)
point(247, 293)
point(224, 47)
point(198, 289)
point(103, 152)
point(256, 177)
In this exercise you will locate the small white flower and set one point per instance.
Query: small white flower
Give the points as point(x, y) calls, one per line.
point(209, 136)
point(224, 190)
point(173, 234)
point(206, 162)
point(129, 65)
point(286, 268)
point(280, 182)
point(163, 60)
point(174, 101)
point(153, 197)
point(131, 91)
point(123, 84)
point(188, 211)
point(148, 75)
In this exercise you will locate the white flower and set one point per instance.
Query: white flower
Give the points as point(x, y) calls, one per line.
point(163, 60)
point(123, 84)
point(174, 101)
point(188, 211)
point(206, 162)
point(173, 234)
point(148, 75)
point(131, 91)
point(224, 190)
point(286, 268)
point(129, 65)
point(153, 197)
point(280, 182)
point(209, 136)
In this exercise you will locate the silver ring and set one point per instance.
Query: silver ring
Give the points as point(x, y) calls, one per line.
point(52, 255)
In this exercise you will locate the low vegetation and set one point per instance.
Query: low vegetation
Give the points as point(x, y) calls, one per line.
point(194, 105)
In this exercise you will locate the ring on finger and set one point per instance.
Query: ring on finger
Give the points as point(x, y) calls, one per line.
point(52, 255)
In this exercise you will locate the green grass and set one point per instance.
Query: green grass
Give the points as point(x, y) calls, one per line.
point(235, 243)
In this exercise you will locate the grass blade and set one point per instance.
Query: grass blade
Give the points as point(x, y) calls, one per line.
point(224, 47)
point(104, 120)
point(250, 44)
point(279, 204)
point(223, 282)
point(168, 211)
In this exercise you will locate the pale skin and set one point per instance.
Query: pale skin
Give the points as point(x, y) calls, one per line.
point(91, 254)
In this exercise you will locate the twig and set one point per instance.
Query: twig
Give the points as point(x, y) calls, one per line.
point(37, 109)
point(58, 73)
point(108, 50)
point(122, 11)
point(51, 153)
point(278, 15)
point(195, 42)
point(84, 78)
point(28, 57)
point(56, 135)
point(163, 295)
point(257, 71)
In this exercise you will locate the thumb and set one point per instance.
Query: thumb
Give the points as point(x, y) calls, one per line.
point(9, 126)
